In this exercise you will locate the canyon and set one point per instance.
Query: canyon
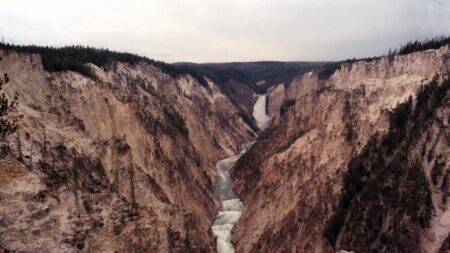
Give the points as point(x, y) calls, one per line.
point(227, 157)
point(292, 179)
point(231, 209)
point(105, 162)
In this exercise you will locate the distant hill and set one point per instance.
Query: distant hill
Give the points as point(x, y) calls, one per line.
point(257, 75)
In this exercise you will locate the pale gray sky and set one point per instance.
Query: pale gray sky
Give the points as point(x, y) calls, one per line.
point(227, 30)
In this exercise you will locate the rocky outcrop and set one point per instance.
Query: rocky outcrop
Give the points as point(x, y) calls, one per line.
point(124, 163)
point(290, 181)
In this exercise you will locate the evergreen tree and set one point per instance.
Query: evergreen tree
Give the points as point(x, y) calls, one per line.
point(7, 127)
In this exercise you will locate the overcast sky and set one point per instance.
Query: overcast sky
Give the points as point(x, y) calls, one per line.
point(227, 30)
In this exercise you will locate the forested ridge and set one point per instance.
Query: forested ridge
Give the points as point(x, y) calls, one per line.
point(74, 58)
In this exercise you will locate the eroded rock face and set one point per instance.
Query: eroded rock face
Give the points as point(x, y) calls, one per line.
point(291, 180)
point(395, 196)
point(275, 96)
point(125, 163)
point(368, 73)
point(240, 94)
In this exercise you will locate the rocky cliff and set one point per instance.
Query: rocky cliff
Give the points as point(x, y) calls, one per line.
point(121, 164)
point(395, 196)
point(291, 180)
point(350, 75)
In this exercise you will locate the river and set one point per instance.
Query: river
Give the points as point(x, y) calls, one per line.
point(231, 206)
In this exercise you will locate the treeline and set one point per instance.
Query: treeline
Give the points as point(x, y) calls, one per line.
point(328, 70)
point(269, 73)
point(414, 46)
point(74, 58)
point(217, 74)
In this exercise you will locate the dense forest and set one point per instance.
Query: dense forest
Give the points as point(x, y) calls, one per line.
point(262, 75)
point(217, 74)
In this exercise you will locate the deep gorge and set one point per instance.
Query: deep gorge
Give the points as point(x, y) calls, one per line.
point(143, 156)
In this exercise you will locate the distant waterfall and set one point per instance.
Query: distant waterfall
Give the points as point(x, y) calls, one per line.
point(259, 112)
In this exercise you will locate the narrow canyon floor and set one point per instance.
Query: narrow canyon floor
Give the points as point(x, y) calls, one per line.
point(231, 206)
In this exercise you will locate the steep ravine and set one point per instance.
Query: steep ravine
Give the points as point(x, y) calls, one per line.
point(395, 196)
point(121, 164)
point(291, 179)
point(231, 209)
point(128, 162)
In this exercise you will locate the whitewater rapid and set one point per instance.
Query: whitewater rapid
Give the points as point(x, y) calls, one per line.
point(231, 209)
point(231, 206)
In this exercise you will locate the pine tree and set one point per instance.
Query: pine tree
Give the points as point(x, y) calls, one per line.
point(19, 148)
point(7, 127)
point(30, 166)
point(132, 186)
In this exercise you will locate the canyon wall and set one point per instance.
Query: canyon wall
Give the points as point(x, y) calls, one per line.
point(352, 75)
point(395, 196)
point(125, 163)
point(291, 180)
